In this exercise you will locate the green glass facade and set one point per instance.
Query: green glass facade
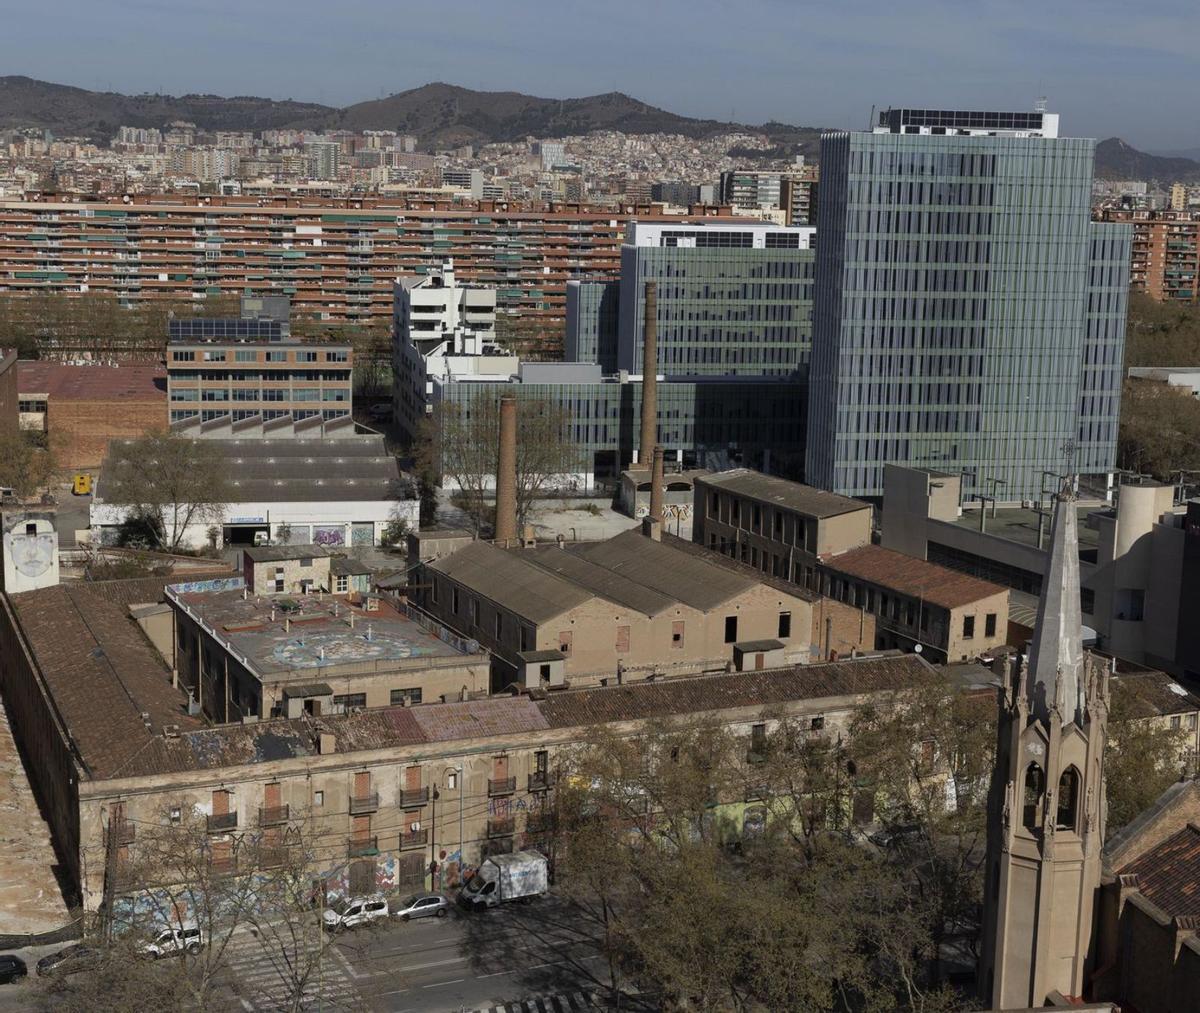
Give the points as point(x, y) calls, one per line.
point(592, 319)
point(957, 302)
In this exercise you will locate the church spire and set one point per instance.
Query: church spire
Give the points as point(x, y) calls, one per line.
point(1056, 653)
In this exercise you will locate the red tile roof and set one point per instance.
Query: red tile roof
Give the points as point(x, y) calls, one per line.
point(909, 575)
point(91, 383)
point(1169, 875)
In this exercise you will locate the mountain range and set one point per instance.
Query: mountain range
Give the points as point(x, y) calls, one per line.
point(444, 116)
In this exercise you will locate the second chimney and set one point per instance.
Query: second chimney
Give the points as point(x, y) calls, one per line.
point(506, 473)
point(656, 485)
point(649, 437)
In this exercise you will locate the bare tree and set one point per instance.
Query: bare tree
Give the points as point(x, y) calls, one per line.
point(27, 462)
point(461, 444)
point(168, 482)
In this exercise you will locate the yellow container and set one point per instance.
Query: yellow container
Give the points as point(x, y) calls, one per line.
point(82, 484)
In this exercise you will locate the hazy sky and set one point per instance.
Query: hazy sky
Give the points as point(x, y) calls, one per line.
point(1111, 67)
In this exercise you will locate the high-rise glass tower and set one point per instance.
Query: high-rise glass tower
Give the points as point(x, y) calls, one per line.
point(968, 314)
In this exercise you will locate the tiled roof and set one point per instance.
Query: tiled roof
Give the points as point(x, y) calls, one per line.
point(495, 716)
point(615, 587)
point(726, 562)
point(1150, 694)
point(92, 383)
point(735, 689)
point(909, 575)
point(804, 499)
point(102, 672)
point(1169, 874)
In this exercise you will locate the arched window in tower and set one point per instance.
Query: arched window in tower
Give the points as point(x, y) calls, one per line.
point(1035, 788)
point(1068, 800)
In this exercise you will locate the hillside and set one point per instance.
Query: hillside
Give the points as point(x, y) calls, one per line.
point(440, 115)
point(1117, 160)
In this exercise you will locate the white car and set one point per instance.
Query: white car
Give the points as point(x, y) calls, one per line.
point(172, 942)
point(355, 912)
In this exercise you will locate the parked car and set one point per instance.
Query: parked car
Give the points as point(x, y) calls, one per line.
point(173, 942)
point(12, 968)
point(423, 905)
point(70, 960)
point(355, 912)
point(893, 837)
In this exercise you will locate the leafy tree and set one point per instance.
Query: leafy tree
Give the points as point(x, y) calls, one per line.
point(1159, 431)
point(1143, 758)
point(1161, 333)
point(169, 482)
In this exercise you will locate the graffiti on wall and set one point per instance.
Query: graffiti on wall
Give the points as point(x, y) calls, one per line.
point(328, 534)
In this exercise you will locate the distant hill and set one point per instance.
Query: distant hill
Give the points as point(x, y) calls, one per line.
point(77, 112)
point(440, 115)
point(1117, 160)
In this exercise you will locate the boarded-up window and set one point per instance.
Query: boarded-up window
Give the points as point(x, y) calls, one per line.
point(499, 768)
point(412, 778)
point(677, 634)
point(220, 803)
point(362, 877)
point(272, 795)
point(410, 870)
point(566, 640)
point(362, 784)
point(622, 639)
point(360, 828)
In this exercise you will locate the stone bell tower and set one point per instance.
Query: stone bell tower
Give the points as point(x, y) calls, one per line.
point(1046, 808)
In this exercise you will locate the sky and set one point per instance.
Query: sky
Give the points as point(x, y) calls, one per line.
point(1109, 68)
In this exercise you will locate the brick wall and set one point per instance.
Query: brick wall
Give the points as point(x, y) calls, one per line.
point(852, 628)
point(80, 430)
point(8, 387)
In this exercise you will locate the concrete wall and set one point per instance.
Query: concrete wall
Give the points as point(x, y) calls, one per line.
point(260, 576)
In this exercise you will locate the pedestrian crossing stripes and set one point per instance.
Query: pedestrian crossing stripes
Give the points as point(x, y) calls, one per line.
point(267, 977)
point(560, 1003)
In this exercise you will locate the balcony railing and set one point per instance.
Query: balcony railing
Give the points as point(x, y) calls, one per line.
point(362, 804)
point(221, 823)
point(414, 839)
point(413, 798)
point(501, 786)
point(269, 816)
point(500, 828)
point(360, 846)
point(123, 832)
point(542, 780)
point(224, 865)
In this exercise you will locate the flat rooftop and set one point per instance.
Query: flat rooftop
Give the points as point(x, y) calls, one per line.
point(1018, 524)
point(279, 635)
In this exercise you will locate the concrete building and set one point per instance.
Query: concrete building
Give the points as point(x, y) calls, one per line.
point(1046, 810)
point(241, 653)
point(1185, 379)
point(956, 327)
point(593, 318)
point(331, 492)
point(1165, 259)
point(248, 368)
point(78, 409)
point(733, 299)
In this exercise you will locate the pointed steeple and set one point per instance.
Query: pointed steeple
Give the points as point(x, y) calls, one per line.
point(1056, 653)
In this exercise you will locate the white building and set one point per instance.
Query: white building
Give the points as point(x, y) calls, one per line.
point(441, 330)
point(1186, 378)
point(326, 492)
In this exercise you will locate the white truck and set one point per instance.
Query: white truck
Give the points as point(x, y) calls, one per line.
point(503, 878)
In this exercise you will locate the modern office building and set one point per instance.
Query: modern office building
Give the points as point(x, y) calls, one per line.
point(733, 299)
point(249, 368)
point(962, 296)
point(750, 189)
point(1165, 261)
point(336, 259)
point(593, 317)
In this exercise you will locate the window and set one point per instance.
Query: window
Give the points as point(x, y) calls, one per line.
point(473, 609)
point(406, 697)
point(347, 701)
point(817, 724)
point(183, 356)
point(989, 625)
point(337, 356)
point(785, 625)
point(526, 638)
point(730, 629)
point(341, 583)
point(1068, 799)
point(499, 630)
point(757, 517)
point(1035, 786)
point(622, 639)
point(276, 356)
point(176, 814)
point(306, 561)
point(677, 635)
point(566, 640)
point(758, 739)
point(928, 754)
point(318, 798)
point(454, 599)
point(306, 356)
point(31, 406)
point(242, 355)
point(543, 673)
point(778, 524)
point(968, 627)
point(1176, 721)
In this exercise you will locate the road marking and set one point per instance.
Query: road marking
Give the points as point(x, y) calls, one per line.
point(432, 963)
point(346, 963)
point(494, 974)
point(439, 984)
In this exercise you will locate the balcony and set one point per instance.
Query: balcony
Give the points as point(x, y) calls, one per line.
point(360, 846)
point(542, 780)
point(271, 816)
point(273, 856)
point(223, 865)
point(123, 832)
point(501, 786)
point(222, 823)
point(414, 798)
point(361, 805)
point(500, 827)
point(414, 839)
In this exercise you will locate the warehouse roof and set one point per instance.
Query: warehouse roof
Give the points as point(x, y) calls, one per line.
point(909, 575)
point(601, 581)
point(804, 499)
point(91, 383)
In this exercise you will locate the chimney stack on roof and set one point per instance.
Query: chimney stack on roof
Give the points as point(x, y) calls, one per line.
point(506, 474)
point(656, 485)
point(649, 437)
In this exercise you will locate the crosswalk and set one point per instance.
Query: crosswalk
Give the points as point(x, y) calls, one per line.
point(563, 1002)
point(267, 976)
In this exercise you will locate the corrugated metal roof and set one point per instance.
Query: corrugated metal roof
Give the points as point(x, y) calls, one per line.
point(804, 499)
point(511, 580)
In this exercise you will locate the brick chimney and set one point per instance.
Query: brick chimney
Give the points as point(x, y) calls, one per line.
point(506, 473)
point(649, 436)
point(656, 485)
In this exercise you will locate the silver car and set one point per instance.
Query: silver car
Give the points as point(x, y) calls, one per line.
point(423, 905)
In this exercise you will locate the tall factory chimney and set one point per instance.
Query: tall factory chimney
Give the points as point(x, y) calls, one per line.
point(649, 437)
point(506, 473)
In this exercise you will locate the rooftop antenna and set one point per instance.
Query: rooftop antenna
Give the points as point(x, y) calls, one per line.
point(1040, 105)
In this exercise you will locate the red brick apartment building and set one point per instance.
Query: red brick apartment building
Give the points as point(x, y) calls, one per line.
point(1166, 252)
point(337, 259)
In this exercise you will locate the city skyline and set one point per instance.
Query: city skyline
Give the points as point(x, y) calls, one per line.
point(997, 57)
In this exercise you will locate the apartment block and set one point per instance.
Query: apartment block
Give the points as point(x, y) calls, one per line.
point(336, 259)
point(1165, 258)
